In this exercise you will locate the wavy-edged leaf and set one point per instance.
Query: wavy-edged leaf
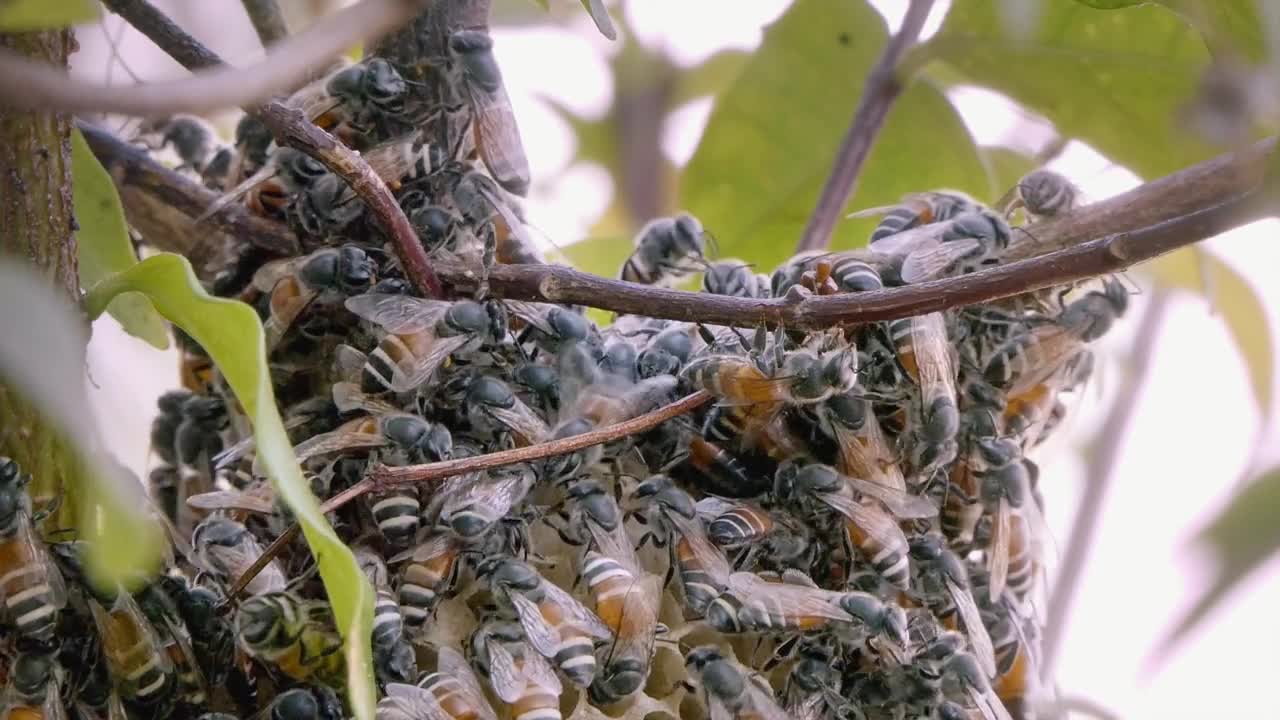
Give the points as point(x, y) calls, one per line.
point(27, 15)
point(1115, 79)
point(232, 335)
point(42, 356)
point(1240, 539)
point(771, 139)
point(709, 77)
point(1231, 295)
point(102, 242)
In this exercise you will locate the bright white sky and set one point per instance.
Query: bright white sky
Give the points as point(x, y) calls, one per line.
point(1194, 428)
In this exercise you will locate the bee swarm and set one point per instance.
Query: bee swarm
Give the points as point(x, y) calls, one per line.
point(850, 530)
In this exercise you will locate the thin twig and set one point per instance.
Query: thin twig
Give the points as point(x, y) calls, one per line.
point(292, 129)
point(1099, 473)
point(26, 84)
point(382, 476)
point(882, 88)
point(267, 20)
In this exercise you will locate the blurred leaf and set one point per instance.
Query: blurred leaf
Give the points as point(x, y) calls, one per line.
point(1113, 79)
point(597, 139)
point(42, 356)
point(231, 333)
point(709, 77)
point(544, 4)
point(102, 242)
point(771, 139)
point(600, 256)
point(1241, 538)
point(1110, 4)
point(1230, 27)
point(1005, 166)
point(26, 15)
point(600, 16)
point(1231, 295)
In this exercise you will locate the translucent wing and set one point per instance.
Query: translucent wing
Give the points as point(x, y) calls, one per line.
point(979, 639)
point(911, 240)
point(711, 507)
point(499, 204)
point(865, 454)
point(411, 372)
point(348, 397)
point(347, 437)
point(410, 702)
point(899, 502)
point(497, 134)
point(348, 363)
point(505, 677)
point(988, 703)
point(254, 501)
point(933, 354)
point(124, 630)
point(1053, 347)
point(871, 520)
point(760, 705)
point(541, 634)
point(232, 560)
point(532, 313)
point(998, 553)
point(398, 314)
point(452, 663)
point(270, 275)
point(497, 494)
point(575, 612)
point(708, 555)
point(799, 600)
point(539, 672)
point(637, 631)
point(522, 420)
point(615, 544)
point(393, 160)
point(26, 551)
point(266, 173)
point(931, 261)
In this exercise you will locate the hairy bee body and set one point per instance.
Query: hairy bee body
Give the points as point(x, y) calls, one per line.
point(295, 636)
point(31, 587)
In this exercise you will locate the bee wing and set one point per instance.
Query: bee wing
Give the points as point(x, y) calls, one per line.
point(873, 521)
point(760, 704)
point(178, 634)
point(410, 702)
point(899, 502)
point(933, 352)
point(124, 626)
point(616, 545)
point(340, 440)
point(452, 663)
point(709, 556)
point(988, 703)
point(408, 376)
point(348, 397)
point(270, 274)
point(262, 504)
point(506, 678)
point(500, 205)
point(497, 493)
point(397, 314)
point(541, 635)
point(577, 613)
point(234, 195)
point(926, 263)
point(523, 421)
point(998, 553)
point(497, 134)
point(348, 363)
point(979, 639)
point(866, 454)
point(538, 671)
point(26, 540)
point(711, 507)
point(801, 600)
point(531, 313)
point(902, 244)
point(1054, 346)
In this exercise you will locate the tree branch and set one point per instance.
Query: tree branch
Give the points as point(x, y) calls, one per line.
point(267, 20)
point(383, 476)
point(29, 84)
point(1099, 472)
point(1150, 220)
point(292, 129)
point(882, 89)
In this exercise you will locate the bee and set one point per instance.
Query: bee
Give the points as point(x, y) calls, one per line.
point(323, 277)
point(735, 278)
point(226, 549)
point(666, 352)
point(793, 272)
point(945, 659)
point(140, 667)
point(943, 580)
point(925, 355)
point(728, 690)
point(965, 243)
point(31, 587)
point(212, 635)
point(1017, 673)
point(753, 604)
point(471, 509)
point(33, 689)
point(493, 407)
point(253, 146)
point(812, 689)
point(158, 602)
point(981, 410)
point(881, 625)
point(1006, 494)
point(551, 328)
point(361, 103)
point(735, 524)
point(296, 636)
point(556, 624)
point(869, 511)
point(269, 191)
point(393, 656)
point(667, 250)
point(1027, 358)
point(311, 703)
point(431, 570)
point(626, 598)
point(862, 450)
point(422, 335)
point(407, 437)
point(494, 124)
point(195, 142)
point(452, 692)
point(520, 677)
point(703, 569)
point(918, 209)
point(723, 472)
point(1043, 193)
point(801, 378)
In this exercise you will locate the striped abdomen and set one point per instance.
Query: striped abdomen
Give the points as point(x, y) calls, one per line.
point(424, 579)
point(397, 515)
point(388, 623)
point(889, 559)
point(700, 588)
point(899, 219)
point(741, 525)
point(609, 582)
point(1022, 560)
point(963, 507)
point(141, 672)
point(575, 655)
point(536, 703)
point(451, 695)
point(30, 601)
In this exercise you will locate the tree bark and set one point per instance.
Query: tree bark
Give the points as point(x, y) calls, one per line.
point(38, 226)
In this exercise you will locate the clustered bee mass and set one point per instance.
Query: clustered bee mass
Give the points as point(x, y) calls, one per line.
point(851, 530)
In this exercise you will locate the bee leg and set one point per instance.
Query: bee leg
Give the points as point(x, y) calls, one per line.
point(781, 653)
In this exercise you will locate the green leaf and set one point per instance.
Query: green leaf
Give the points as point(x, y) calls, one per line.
point(709, 77)
point(232, 335)
point(1241, 538)
point(42, 356)
point(1114, 79)
point(27, 15)
point(600, 16)
point(1231, 295)
point(599, 256)
point(1110, 4)
point(1231, 28)
point(544, 4)
point(102, 242)
point(772, 136)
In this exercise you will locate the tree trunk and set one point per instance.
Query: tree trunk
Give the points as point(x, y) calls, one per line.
point(37, 225)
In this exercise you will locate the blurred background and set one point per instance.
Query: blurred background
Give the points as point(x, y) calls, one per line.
point(611, 128)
